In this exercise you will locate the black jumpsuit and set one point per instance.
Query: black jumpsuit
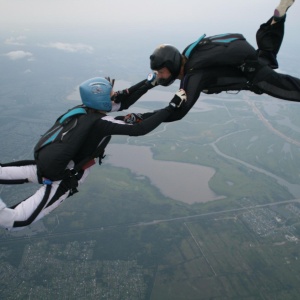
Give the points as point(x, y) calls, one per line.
point(238, 67)
point(51, 195)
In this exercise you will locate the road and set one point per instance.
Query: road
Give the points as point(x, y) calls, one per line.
point(150, 223)
point(267, 124)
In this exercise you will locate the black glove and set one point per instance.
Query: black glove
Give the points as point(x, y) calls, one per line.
point(178, 99)
point(133, 118)
point(119, 96)
point(111, 81)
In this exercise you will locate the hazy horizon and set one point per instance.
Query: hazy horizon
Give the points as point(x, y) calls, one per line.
point(93, 22)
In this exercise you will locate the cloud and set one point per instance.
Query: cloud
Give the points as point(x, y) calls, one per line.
point(70, 47)
point(17, 41)
point(15, 55)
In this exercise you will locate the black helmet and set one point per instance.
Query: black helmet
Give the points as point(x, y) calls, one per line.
point(166, 56)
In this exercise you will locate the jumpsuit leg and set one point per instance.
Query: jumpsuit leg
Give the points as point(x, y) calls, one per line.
point(18, 172)
point(26, 211)
point(277, 85)
point(41, 203)
point(262, 78)
point(269, 39)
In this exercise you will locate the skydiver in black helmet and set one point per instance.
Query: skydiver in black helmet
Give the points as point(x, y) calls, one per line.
point(226, 62)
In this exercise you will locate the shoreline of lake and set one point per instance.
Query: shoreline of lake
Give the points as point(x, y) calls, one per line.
point(180, 181)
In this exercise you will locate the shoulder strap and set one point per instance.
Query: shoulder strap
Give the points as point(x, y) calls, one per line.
point(192, 46)
point(72, 112)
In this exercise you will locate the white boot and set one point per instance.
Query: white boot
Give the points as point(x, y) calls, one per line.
point(282, 8)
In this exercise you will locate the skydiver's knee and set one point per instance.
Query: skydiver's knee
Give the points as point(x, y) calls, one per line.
point(268, 58)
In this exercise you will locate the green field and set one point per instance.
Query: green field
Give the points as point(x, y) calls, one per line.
point(105, 246)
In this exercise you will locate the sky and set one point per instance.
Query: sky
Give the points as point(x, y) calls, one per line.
point(77, 25)
point(156, 14)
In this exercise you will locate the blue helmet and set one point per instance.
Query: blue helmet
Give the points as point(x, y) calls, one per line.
point(95, 93)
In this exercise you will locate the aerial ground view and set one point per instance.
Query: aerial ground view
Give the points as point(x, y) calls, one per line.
point(121, 235)
point(207, 207)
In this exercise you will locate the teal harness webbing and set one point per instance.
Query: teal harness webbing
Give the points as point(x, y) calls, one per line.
point(192, 46)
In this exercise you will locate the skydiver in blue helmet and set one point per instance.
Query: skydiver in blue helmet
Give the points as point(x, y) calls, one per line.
point(65, 153)
point(225, 62)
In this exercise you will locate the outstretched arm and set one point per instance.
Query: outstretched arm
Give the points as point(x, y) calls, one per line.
point(193, 85)
point(125, 98)
point(143, 126)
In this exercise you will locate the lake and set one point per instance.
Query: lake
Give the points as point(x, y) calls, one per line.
point(180, 181)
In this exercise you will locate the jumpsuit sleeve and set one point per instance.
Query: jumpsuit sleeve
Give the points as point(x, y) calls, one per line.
point(135, 93)
point(114, 127)
point(193, 85)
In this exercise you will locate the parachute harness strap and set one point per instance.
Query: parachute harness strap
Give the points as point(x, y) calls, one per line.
point(192, 46)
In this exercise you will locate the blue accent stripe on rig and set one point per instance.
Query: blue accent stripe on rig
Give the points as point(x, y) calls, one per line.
point(218, 35)
point(192, 46)
point(226, 40)
point(223, 38)
point(75, 111)
point(52, 138)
